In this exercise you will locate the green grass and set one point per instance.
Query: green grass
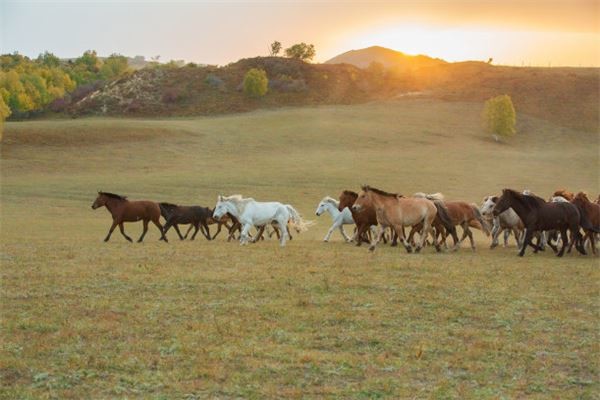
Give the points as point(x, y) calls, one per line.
point(86, 319)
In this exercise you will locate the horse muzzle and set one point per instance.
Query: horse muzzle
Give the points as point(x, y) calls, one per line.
point(356, 208)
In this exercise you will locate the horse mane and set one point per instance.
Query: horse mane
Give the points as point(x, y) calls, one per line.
point(329, 199)
point(350, 193)
point(582, 196)
point(368, 188)
point(564, 193)
point(168, 205)
point(239, 201)
point(113, 195)
point(528, 200)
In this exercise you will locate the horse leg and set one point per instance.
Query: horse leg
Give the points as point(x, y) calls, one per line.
point(330, 231)
point(470, 234)
point(178, 232)
point(259, 234)
point(526, 241)
point(205, 229)
point(496, 229)
point(579, 244)
point(346, 237)
point(244, 235)
point(196, 229)
point(360, 233)
point(145, 222)
point(284, 232)
point(563, 233)
point(380, 233)
point(156, 222)
point(122, 229)
point(110, 231)
point(187, 233)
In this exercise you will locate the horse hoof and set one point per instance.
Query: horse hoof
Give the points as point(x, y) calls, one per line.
point(371, 248)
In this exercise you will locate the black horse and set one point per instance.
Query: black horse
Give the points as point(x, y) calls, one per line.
point(197, 216)
point(539, 215)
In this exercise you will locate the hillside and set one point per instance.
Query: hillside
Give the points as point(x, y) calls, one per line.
point(566, 96)
point(388, 57)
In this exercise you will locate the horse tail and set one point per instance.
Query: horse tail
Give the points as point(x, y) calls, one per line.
point(442, 212)
point(432, 196)
point(298, 222)
point(584, 221)
point(482, 221)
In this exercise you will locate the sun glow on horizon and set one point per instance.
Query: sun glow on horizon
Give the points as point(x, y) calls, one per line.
point(509, 47)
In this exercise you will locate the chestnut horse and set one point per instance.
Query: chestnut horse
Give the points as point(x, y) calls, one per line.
point(564, 193)
point(396, 211)
point(466, 215)
point(539, 215)
point(363, 219)
point(231, 223)
point(592, 212)
point(123, 210)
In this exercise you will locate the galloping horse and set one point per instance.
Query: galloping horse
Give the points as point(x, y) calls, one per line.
point(253, 213)
point(538, 215)
point(123, 210)
point(196, 216)
point(233, 226)
point(508, 221)
point(396, 211)
point(340, 218)
point(591, 211)
point(364, 219)
point(564, 194)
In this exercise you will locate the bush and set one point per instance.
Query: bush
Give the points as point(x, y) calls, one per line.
point(214, 82)
point(256, 83)
point(499, 117)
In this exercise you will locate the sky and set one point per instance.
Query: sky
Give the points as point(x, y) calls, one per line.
point(512, 32)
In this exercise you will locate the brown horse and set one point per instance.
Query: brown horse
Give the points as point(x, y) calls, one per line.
point(592, 212)
point(466, 215)
point(539, 215)
point(123, 210)
point(396, 211)
point(196, 216)
point(231, 223)
point(363, 219)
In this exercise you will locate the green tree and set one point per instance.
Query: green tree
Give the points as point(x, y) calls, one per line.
point(115, 65)
point(301, 51)
point(275, 48)
point(499, 117)
point(48, 59)
point(256, 83)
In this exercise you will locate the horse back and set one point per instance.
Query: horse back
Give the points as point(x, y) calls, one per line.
point(140, 210)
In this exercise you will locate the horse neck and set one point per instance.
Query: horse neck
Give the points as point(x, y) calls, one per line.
point(519, 208)
point(333, 211)
point(232, 209)
point(376, 200)
point(113, 205)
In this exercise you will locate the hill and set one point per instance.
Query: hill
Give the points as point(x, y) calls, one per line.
point(566, 96)
point(388, 57)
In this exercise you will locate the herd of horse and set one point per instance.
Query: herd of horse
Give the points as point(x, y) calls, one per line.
point(379, 215)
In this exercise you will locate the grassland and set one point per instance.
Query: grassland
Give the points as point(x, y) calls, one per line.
point(87, 319)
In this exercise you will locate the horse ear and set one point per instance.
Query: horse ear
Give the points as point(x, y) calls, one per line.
point(219, 198)
point(364, 187)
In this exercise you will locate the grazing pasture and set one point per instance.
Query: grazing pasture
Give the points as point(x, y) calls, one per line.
point(194, 319)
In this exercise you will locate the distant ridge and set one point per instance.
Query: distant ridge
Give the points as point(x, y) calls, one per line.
point(388, 57)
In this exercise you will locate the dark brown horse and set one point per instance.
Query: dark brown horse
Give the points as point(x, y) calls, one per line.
point(123, 210)
point(196, 216)
point(539, 215)
point(231, 223)
point(591, 211)
point(363, 219)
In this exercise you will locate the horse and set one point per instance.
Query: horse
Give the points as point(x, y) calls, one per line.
point(253, 213)
point(539, 215)
point(233, 226)
point(564, 194)
point(508, 221)
point(339, 218)
point(591, 211)
point(364, 220)
point(459, 213)
point(397, 211)
point(196, 216)
point(123, 210)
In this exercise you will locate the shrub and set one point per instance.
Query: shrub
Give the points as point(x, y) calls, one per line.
point(256, 83)
point(214, 82)
point(499, 117)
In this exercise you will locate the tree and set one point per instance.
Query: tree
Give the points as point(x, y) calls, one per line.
point(499, 117)
point(256, 83)
point(275, 48)
point(48, 59)
point(114, 65)
point(301, 51)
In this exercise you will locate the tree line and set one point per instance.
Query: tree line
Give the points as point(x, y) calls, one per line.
point(28, 85)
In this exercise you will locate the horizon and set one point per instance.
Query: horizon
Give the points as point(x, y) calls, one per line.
point(565, 33)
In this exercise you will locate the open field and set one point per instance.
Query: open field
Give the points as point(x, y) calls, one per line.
point(87, 319)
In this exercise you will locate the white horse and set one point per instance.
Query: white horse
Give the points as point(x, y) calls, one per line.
point(254, 213)
point(340, 218)
point(508, 221)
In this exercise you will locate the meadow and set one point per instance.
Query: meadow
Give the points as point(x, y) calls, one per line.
point(86, 319)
